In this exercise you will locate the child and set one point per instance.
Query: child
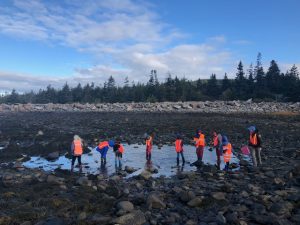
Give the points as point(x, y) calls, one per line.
point(149, 143)
point(227, 152)
point(179, 149)
point(119, 150)
point(103, 148)
point(199, 140)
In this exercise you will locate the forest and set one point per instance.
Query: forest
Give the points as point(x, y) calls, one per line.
point(253, 82)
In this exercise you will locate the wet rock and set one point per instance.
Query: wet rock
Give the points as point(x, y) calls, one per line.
point(84, 181)
point(220, 219)
point(113, 190)
point(134, 218)
point(40, 133)
point(81, 216)
point(186, 196)
point(26, 223)
point(195, 202)
point(153, 201)
point(219, 195)
point(4, 220)
point(99, 219)
point(129, 169)
point(282, 208)
point(125, 206)
point(145, 175)
point(55, 180)
point(53, 156)
point(51, 221)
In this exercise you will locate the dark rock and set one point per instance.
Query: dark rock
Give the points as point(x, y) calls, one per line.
point(52, 156)
point(186, 196)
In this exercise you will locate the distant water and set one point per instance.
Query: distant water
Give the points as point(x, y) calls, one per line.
point(164, 160)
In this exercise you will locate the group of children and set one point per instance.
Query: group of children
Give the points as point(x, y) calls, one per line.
point(219, 142)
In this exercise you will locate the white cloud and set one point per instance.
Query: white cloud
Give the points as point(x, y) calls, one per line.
point(126, 37)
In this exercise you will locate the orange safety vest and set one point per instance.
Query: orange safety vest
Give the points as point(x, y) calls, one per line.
point(227, 153)
point(216, 141)
point(77, 147)
point(103, 144)
point(149, 142)
point(121, 149)
point(253, 139)
point(200, 141)
point(178, 146)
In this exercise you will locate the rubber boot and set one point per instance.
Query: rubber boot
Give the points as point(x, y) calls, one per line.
point(104, 161)
point(177, 161)
point(80, 168)
point(72, 168)
point(183, 161)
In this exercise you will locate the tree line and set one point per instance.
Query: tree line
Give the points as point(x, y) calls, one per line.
point(253, 83)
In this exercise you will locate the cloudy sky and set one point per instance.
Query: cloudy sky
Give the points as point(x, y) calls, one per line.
point(50, 42)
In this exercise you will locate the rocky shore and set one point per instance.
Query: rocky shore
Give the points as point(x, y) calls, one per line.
point(267, 195)
point(206, 107)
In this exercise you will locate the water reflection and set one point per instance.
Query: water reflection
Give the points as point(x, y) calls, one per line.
point(163, 161)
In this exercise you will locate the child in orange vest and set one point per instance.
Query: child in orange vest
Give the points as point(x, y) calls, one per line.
point(76, 151)
point(149, 143)
point(119, 150)
point(179, 149)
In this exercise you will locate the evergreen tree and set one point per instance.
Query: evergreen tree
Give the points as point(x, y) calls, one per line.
point(241, 85)
point(273, 78)
point(260, 90)
point(212, 88)
point(225, 83)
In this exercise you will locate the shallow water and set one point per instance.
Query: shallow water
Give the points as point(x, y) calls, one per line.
point(163, 159)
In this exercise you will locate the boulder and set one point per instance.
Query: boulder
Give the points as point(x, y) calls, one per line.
point(129, 169)
point(153, 201)
point(52, 156)
point(219, 195)
point(195, 202)
point(84, 181)
point(55, 180)
point(134, 218)
point(145, 175)
point(125, 206)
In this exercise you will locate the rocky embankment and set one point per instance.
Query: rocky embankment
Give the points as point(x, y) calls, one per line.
point(268, 195)
point(207, 107)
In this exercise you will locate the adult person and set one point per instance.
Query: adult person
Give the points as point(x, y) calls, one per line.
point(199, 140)
point(179, 149)
point(76, 151)
point(217, 144)
point(255, 145)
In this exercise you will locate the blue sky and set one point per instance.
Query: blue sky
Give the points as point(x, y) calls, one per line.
point(53, 42)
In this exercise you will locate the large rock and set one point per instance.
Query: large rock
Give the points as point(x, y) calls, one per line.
point(52, 156)
point(145, 175)
point(125, 206)
point(55, 180)
point(134, 218)
point(219, 195)
point(129, 169)
point(84, 181)
point(186, 196)
point(195, 202)
point(153, 201)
